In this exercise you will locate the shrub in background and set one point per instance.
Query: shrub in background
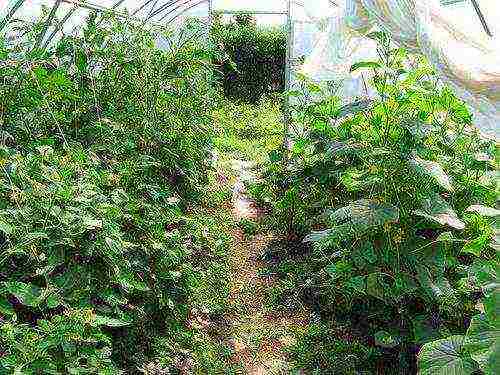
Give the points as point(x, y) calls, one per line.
point(256, 58)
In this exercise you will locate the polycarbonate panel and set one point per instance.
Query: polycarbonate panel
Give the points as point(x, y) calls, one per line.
point(313, 11)
point(251, 5)
point(304, 38)
point(155, 11)
point(69, 15)
point(464, 14)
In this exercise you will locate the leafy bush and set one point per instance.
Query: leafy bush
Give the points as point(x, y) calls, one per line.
point(70, 343)
point(256, 58)
point(105, 89)
point(400, 191)
point(105, 148)
point(321, 349)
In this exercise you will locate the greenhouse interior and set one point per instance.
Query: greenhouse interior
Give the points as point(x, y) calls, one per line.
point(250, 187)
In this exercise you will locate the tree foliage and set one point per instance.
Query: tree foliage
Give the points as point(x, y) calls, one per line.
point(255, 58)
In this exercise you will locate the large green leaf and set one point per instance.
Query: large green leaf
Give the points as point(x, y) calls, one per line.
point(366, 213)
point(377, 287)
point(476, 246)
point(445, 357)
point(424, 329)
point(357, 283)
point(436, 209)
point(482, 340)
point(434, 170)
point(483, 210)
point(436, 287)
point(317, 236)
point(110, 322)
point(355, 219)
point(27, 294)
point(491, 304)
point(484, 274)
point(129, 281)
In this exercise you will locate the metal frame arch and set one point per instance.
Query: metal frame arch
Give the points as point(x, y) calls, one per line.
point(163, 9)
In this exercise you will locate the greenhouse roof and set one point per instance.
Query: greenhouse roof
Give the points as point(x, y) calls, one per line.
point(72, 12)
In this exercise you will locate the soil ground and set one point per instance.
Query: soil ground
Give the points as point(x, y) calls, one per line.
point(259, 335)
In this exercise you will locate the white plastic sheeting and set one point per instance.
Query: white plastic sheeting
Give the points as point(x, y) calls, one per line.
point(159, 12)
point(71, 14)
point(466, 58)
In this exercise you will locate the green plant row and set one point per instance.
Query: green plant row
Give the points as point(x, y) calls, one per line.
point(104, 150)
point(396, 200)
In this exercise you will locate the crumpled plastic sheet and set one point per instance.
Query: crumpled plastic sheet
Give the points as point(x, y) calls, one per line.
point(468, 62)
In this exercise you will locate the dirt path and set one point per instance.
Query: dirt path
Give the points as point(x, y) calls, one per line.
point(259, 335)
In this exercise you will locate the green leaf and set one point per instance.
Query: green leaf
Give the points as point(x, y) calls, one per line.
point(366, 213)
point(483, 272)
point(357, 283)
point(275, 156)
point(368, 252)
point(5, 227)
point(110, 322)
point(379, 36)
point(495, 242)
point(375, 286)
point(5, 307)
point(313, 87)
point(317, 236)
point(436, 209)
point(434, 170)
point(424, 330)
point(29, 238)
point(294, 93)
point(355, 108)
point(445, 237)
point(27, 294)
point(338, 269)
point(476, 246)
point(365, 64)
point(92, 224)
point(484, 211)
point(385, 340)
point(445, 357)
point(53, 301)
point(129, 282)
point(482, 340)
point(113, 297)
point(491, 306)
point(81, 61)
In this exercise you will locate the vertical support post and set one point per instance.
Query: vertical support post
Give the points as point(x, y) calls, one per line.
point(288, 74)
point(210, 10)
